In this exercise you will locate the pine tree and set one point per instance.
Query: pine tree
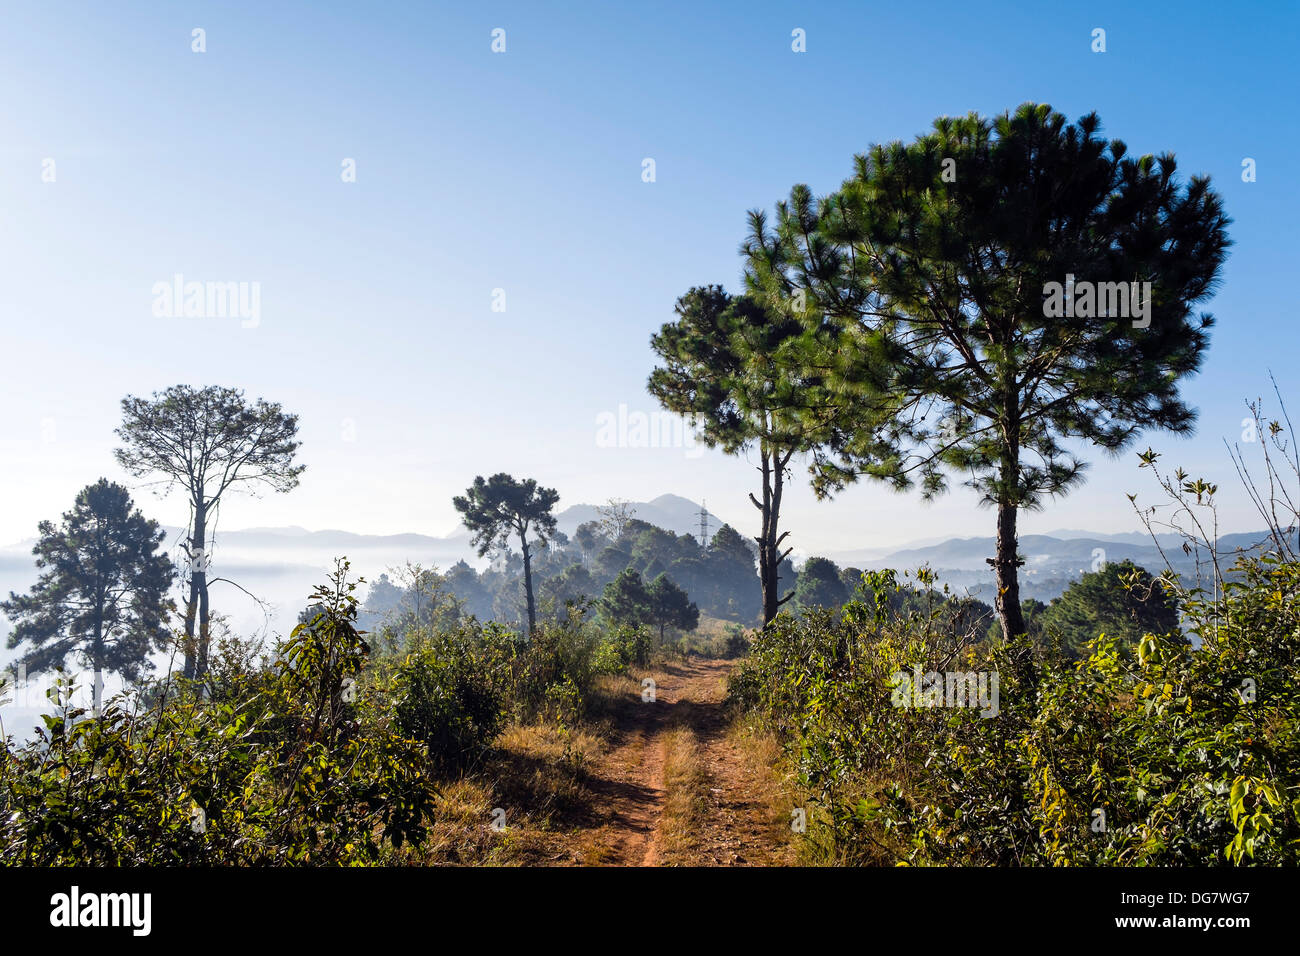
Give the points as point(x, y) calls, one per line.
point(207, 441)
point(1121, 600)
point(670, 606)
point(102, 592)
point(943, 264)
point(733, 365)
point(495, 508)
point(626, 599)
point(819, 585)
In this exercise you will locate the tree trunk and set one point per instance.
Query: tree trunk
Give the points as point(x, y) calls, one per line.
point(1006, 567)
point(100, 612)
point(528, 581)
point(769, 541)
point(204, 631)
point(97, 659)
point(196, 650)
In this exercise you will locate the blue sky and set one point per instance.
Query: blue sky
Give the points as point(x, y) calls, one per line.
point(521, 171)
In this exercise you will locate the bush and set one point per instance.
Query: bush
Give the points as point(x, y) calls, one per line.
point(455, 688)
point(553, 674)
point(295, 764)
point(1174, 756)
point(447, 694)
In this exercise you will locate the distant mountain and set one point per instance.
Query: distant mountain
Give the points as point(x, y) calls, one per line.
point(330, 540)
point(1052, 561)
point(670, 512)
point(1127, 537)
point(1038, 549)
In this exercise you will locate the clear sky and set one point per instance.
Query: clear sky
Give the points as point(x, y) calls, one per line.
point(522, 171)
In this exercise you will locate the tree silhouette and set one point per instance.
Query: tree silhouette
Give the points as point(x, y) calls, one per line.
point(626, 599)
point(102, 590)
point(495, 509)
point(207, 441)
point(670, 606)
point(615, 515)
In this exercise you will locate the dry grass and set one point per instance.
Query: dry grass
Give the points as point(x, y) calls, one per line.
point(609, 694)
point(760, 755)
point(686, 784)
point(709, 639)
point(515, 808)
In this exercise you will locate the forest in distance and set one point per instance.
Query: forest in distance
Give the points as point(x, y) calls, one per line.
point(968, 306)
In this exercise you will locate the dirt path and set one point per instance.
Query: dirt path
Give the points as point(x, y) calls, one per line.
point(717, 808)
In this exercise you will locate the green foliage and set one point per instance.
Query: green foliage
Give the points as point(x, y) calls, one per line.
point(495, 508)
point(324, 756)
point(732, 364)
point(669, 606)
point(552, 675)
point(741, 370)
point(1120, 600)
point(1109, 218)
point(819, 585)
point(627, 645)
point(1171, 756)
point(298, 765)
point(206, 442)
point(574, 583)
point(420, 604)
point(930, 272)
point(720, 579)
point(626, 599)
point(448, 694)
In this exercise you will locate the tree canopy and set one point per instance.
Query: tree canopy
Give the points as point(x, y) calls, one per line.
point(626, 600)
point(819, 585)
point(734, 365)
point(670, 606)
point(1121, 600)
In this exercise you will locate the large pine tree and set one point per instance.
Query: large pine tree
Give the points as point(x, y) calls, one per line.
point(944, 265)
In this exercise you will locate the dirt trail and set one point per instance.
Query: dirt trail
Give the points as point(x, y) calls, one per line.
point(733, 822)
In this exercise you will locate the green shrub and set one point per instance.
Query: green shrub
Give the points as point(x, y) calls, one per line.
point(447, 694)
point(568, 654)
point(294, 764)
point(1174, 756)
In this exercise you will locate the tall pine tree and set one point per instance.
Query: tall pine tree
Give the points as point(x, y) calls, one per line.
point(998, 287)
point(735, 366)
